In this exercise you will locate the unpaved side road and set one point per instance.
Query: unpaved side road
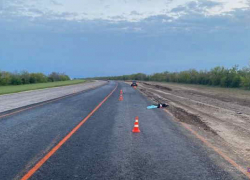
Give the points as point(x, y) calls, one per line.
point(17, 100)
point(221, 115)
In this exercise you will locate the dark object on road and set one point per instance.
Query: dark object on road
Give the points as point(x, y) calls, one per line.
point(162, 105)
point(157, 106)
point(134, 84)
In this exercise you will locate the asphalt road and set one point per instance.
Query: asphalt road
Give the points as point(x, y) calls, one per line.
point(104, 146)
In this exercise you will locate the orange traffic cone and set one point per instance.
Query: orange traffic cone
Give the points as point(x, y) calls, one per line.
point(121, 97)
point(121, 92)
point(136, 125)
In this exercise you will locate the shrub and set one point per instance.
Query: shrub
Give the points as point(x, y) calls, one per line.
point(24, 77)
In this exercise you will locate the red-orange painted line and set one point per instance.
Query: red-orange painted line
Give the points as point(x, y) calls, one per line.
point(49, 154)
point(41, 104)
point(228, 159)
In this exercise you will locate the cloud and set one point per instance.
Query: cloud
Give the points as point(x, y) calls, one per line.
point(135, 13)
point(54, 2)
point(131, 10)
point(209, 4)
point(248, 2)
point(202, 6)
point(35, 11)
point(179, 9)
point(188, 18)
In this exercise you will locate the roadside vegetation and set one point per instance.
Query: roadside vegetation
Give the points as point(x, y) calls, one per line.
point(7, 78)
point(25, 81)
point(27, 87)
point(218, 76)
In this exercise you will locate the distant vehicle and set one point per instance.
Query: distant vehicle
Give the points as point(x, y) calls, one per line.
point(134, 84)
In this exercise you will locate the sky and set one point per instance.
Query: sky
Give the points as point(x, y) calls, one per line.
point(88, 38)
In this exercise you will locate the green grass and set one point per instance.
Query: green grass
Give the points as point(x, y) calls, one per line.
point(27, 87)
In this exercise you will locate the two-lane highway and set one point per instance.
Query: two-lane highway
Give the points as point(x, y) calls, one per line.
point(102, 146)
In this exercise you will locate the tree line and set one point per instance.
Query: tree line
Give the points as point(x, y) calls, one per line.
point(8, 78)
point(218, 76)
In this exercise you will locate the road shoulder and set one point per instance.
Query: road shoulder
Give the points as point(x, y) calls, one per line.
point(17, 100)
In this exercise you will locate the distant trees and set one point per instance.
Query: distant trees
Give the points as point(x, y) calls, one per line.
point(7, 78)
point(218, 76)
point(58, 77)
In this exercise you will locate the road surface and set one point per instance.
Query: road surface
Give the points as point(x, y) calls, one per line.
point(103, 146)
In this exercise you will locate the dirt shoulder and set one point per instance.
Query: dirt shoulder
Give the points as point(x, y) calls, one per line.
point(17, 100)
point(221, 115)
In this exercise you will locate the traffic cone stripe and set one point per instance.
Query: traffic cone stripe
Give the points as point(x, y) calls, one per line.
point(136, 125)
point(121, 97)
